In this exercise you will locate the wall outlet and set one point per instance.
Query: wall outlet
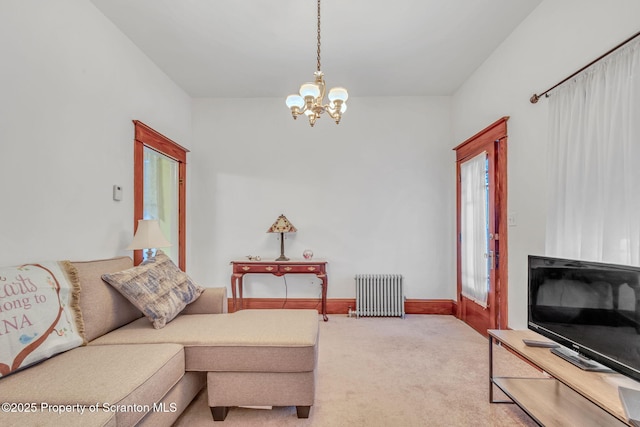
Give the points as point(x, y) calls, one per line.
point(512, 219)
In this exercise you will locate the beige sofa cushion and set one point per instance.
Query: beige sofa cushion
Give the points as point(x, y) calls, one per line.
point(134, 374)
point(103, 308)
point(157, 287)
point(180, 397)
point(248, 340)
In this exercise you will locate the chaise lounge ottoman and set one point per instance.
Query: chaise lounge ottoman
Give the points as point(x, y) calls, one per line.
point(252, 357)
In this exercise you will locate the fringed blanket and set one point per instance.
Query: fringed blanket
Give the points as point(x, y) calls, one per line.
point(39, 314)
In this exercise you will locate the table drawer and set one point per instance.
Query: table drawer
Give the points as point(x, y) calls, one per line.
point(311, 269)
point(252, 268)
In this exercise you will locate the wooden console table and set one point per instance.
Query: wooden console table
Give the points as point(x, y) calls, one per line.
point(570, 397)
point(277, 268)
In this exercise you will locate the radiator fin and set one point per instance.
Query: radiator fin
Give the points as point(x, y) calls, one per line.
point(379, 295)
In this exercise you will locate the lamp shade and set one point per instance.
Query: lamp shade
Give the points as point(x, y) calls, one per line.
point(309, 89)
point(295, 101)
point(338, 93)
point(282, 225)
point(148, 235)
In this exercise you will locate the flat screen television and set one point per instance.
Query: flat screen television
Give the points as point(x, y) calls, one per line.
point(591, 308)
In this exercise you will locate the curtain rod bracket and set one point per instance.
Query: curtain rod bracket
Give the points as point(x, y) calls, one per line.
point(535, 97)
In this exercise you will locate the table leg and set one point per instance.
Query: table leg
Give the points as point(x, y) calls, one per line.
point(491, 376)
point(490, 369)
point(323, 278)
point(233, 290)
point(236, 291)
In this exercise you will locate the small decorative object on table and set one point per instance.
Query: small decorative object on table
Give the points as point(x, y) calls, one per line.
point(307, 254)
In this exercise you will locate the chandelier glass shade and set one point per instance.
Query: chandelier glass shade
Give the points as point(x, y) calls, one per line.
point(310, 100)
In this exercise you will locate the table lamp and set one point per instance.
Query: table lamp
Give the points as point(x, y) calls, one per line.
point(282, 225)
point(148, 236)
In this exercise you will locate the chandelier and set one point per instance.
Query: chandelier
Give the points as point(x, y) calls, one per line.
point(309, 101)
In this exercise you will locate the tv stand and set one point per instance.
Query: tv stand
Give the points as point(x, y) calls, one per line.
point(568, 396)
point(581, 362)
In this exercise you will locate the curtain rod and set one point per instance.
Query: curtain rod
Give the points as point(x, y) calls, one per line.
point(534, 98)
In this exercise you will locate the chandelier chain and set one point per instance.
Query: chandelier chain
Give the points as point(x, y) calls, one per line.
point(310, 100)
point(318, 35)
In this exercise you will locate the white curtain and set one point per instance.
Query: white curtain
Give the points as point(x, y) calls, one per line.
point(594, 162)
point(473, 228)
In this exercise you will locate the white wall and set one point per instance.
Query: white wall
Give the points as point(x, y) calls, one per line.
point(71, 84)
point(558, 38)
point(375, 194)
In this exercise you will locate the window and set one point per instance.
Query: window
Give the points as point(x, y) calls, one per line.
point(160, 188)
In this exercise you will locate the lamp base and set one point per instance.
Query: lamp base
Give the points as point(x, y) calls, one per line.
point(282, 257)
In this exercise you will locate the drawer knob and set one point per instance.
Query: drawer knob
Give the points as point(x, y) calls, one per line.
point(287, 269)
point(268, 268)
point(245, 268)
point(311, 268)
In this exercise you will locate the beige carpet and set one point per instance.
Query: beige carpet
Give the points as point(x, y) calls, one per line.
point(419, 371)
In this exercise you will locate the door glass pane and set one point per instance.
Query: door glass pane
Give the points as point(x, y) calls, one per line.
point(161, 197)
point(474, 253)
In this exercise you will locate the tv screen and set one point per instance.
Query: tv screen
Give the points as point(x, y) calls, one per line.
point(589, 307)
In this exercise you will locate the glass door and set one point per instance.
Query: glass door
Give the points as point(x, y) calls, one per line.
point(481, 169)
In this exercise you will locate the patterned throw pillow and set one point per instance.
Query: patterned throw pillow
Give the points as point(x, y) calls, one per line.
point(39, 314)
point(158, 288)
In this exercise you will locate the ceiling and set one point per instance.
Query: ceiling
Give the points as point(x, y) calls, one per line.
point(267, 48)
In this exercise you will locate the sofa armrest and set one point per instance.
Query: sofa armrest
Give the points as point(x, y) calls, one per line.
point(211, 301)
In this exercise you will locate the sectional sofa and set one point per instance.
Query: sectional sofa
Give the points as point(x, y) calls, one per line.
point(130, 373)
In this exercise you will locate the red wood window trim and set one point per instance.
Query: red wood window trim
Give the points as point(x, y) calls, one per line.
point(147, 137)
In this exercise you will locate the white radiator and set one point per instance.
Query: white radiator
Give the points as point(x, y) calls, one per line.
point(379, 295)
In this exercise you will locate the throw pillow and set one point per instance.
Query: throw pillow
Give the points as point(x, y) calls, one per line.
point(157, 287)
point(39, 315)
